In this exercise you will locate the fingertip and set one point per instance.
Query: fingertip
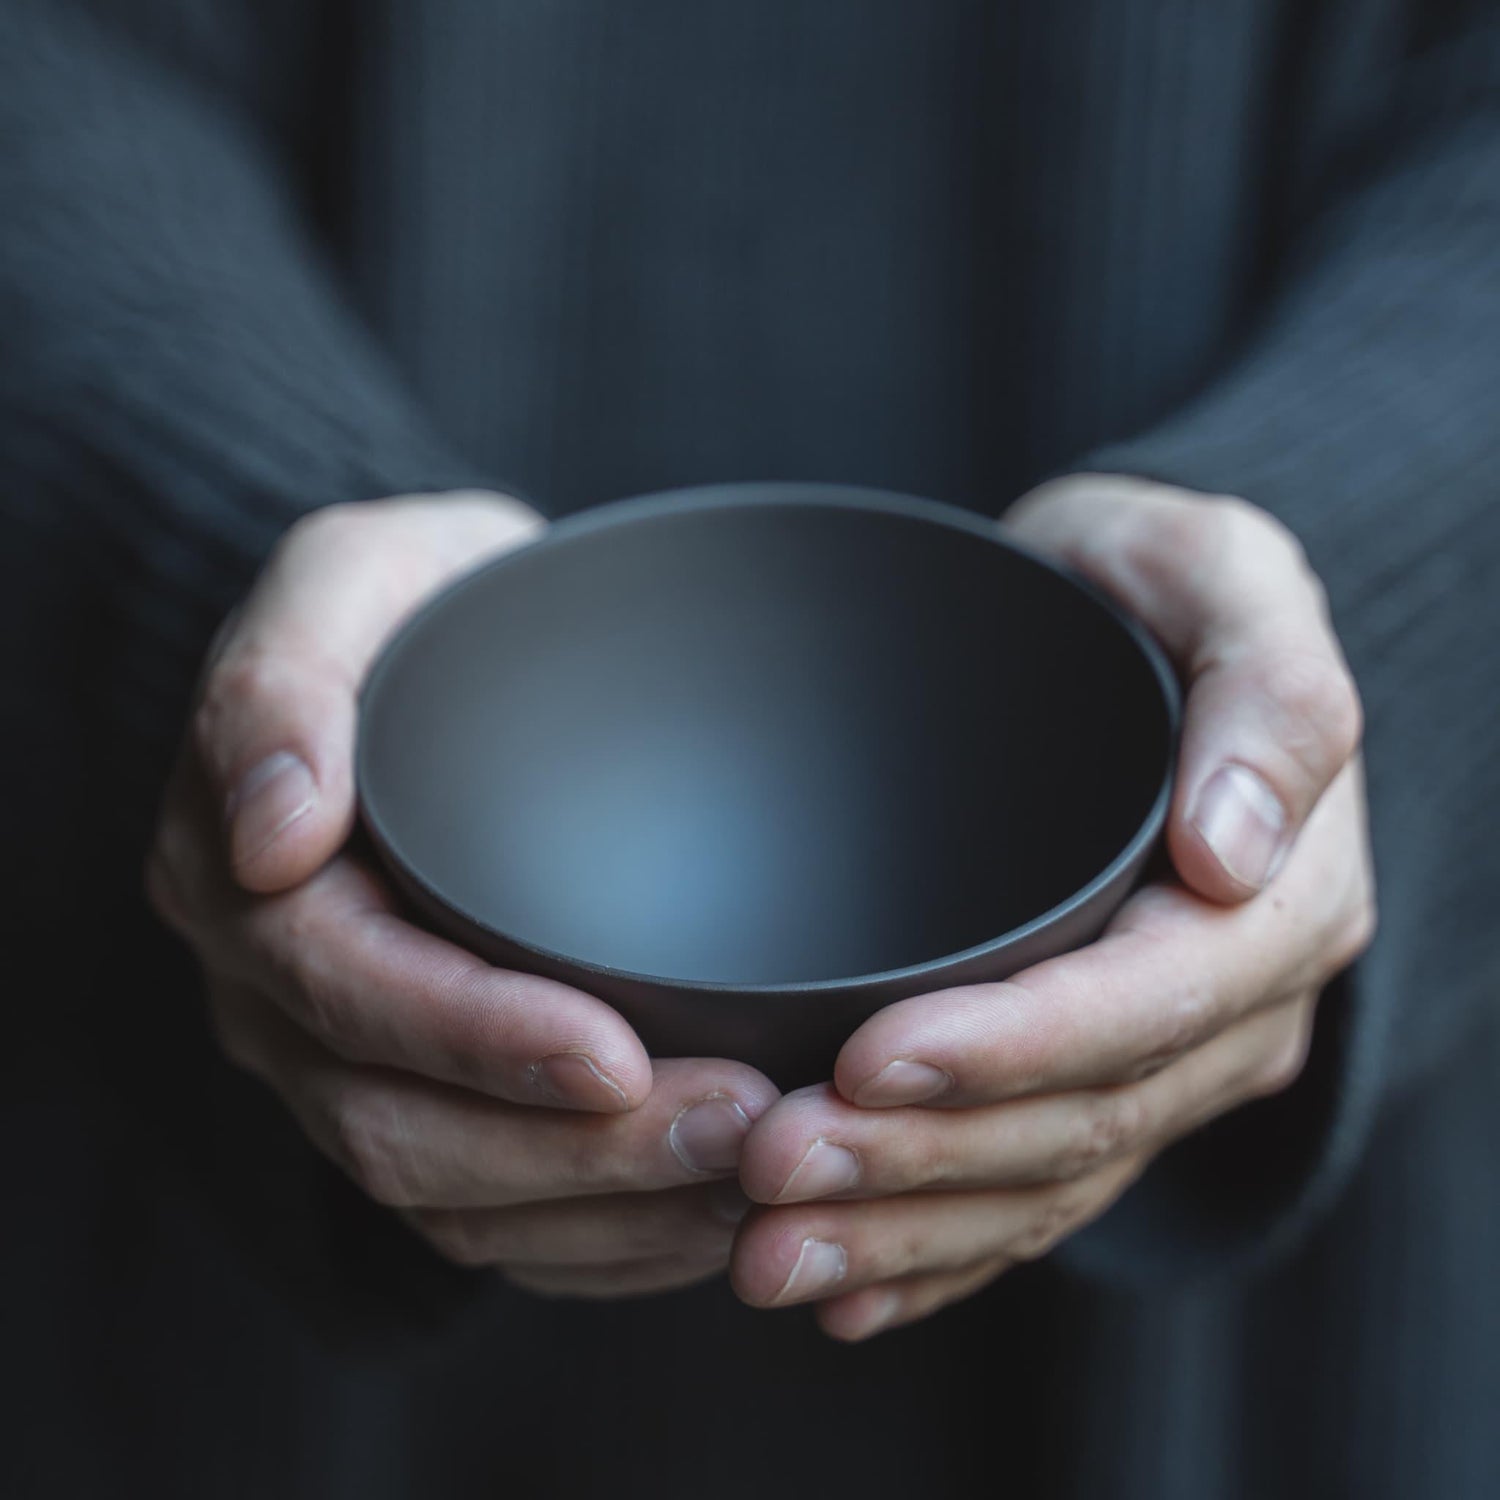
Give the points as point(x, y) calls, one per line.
point(634, 1093)
point(630, 1069)
point(282, 824)
point(607, 1071)
point(780, 1139)
point(753, 1087)
point(879, 1066)
point(857, 1316)
point(867, 1051)
point(699, 1080)
point(1232, 835)
point(743, 1280)
point(520, 1036)
point(1200, 871)
point(901, 1082)
point(293, 857)
point(574, 1080)
point(764, 1257)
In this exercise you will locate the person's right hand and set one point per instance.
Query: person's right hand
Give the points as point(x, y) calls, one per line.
point(514, 1121)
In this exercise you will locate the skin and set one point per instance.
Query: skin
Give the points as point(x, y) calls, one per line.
point(518, 1123)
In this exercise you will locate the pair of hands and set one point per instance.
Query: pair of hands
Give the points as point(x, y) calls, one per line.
point(517, 1122)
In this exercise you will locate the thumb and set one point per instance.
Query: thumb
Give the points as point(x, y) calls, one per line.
point(275, 724)
point(1271, 713)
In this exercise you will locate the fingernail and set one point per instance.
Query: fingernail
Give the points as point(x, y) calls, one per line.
point(728, 1202)
point(270, 797)
point(820, 1265)
point(1242, 820)
point(576, 1081)
point(707, 1136)
point(903, 1082)
point(824, 1169)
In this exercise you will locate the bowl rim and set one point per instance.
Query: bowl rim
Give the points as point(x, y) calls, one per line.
point(793, 495)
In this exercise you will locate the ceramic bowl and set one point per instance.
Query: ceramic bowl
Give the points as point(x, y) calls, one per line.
point(751, 761)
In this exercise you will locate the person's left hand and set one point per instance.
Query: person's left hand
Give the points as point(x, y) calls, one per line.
point(972, 1128)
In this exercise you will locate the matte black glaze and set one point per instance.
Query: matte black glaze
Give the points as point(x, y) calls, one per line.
point(751, 761)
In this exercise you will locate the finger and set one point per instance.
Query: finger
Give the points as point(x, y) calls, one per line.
point(355, 975)
point(629, 1279)
point(1172, 971)
point(1272, 714)
point(813, 1144)
point(412, 1144)
point(785, 1256)
point(695, 1222)
point(275, 723)
point(338, 960)
point(875, 1309)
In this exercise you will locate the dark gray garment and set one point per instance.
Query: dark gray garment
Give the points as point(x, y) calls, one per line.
point(257, 256)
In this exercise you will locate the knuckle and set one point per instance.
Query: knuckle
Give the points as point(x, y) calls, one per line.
point(327, 524)
point(907, 1249)
point(1199, 536)
point(348, 532)
point(1148, 545)
point(1284, 1065)
point(1315, 587)
point(933, 1162)
point(1156, 911)
point(251, 676)
point(943, 1163)
point(369, 1141)
point(1355, 933)
point(1180, 1023)
point(1317, 711)
point(320, 1001)
point(1108, 1125)
point(1153, 1063)
point(1248, 525)
point(1182, 535)
point(292, 940)
point(1051, 1224)
point(454, 1235)
point(612, 1162)
point(1282, 1070)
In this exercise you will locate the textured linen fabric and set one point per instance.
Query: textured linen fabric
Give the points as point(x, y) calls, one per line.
point(258, 256)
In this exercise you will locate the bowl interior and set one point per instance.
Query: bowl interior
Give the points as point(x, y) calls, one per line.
point(762, 743)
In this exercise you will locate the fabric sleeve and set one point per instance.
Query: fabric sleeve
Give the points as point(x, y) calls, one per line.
point(179, 381)
point(180, 378)
point(1364, 411)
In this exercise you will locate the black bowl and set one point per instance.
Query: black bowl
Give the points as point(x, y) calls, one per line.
point(750, 762)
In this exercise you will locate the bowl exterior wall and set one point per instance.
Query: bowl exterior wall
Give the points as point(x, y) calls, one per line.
point(791, 1033)
point(793, 1036)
